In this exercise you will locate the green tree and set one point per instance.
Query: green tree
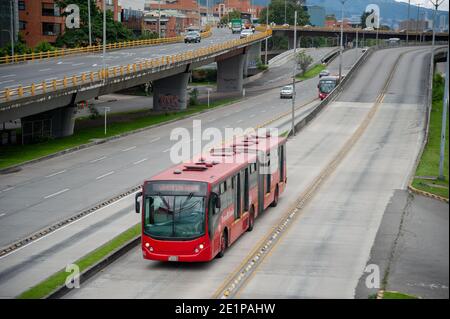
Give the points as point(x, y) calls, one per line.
point(276, 13)
point(304, 61)
point(115, 31)
point(20, 47)
point(235, 14)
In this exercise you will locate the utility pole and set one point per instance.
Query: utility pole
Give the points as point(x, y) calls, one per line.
point(341, 39)
point(11, 35)
point(89, 23)
point(407, 24)
point(294, 71)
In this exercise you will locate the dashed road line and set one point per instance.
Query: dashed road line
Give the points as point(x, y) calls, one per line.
point(57, 173)
point(104, 175)
point(129, 149)
point(140, 161)
point(98, 159)
point(56, 194)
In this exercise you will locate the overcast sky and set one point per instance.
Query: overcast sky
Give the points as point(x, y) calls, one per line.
point(139, 4)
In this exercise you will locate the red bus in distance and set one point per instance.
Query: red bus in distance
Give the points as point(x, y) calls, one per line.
point(194, 211)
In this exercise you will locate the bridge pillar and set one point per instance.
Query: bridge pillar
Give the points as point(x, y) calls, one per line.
point(252, 57)
point(230, 74)
point(171, 93)
point(59, 122)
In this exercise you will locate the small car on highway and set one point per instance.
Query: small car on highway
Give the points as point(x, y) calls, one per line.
point(324, 73)
point(246, 33)
point(287, 92)
point(192, 37)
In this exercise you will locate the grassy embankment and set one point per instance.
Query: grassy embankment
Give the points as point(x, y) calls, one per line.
point(428, 168)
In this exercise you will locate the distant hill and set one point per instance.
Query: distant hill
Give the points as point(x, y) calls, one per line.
point(392, 12)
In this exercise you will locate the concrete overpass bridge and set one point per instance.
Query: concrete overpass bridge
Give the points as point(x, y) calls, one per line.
point(48, 92)
point(350, 34)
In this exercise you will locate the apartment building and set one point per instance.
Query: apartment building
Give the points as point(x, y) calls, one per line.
point(42, 20)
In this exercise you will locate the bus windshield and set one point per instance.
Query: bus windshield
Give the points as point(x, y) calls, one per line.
point(326, 86)
point(174, 216)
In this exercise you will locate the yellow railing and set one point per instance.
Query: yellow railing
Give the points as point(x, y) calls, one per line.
point(69, 81)
point(95, 48)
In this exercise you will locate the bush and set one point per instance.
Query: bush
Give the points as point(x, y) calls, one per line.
point(44, 47)
point(193, 97)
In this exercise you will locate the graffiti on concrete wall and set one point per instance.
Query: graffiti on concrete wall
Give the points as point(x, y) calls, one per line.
point(169, 101)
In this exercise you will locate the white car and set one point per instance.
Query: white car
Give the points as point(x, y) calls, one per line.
point(246, 33)
point(287, 92)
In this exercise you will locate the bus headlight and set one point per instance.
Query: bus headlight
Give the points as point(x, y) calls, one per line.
point(201, 246)
point(147, 245)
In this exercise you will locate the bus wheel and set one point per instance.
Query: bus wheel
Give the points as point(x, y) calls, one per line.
point(275, 198)
point(223, 245)
point(251, 219)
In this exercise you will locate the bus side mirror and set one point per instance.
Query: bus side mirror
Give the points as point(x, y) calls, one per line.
point(137, 203)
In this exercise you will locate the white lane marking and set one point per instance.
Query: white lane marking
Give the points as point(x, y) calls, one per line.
point(60, 62)
point(211, 120)
point(253, 115)
point(8, 189)
point(6, 81)
point(57, 173)
point(57, 193)
point(77, 64)
point(140, 161)
point(155, 139)
point(7, 76)
point(129, 149)
point(1, 215)
point(67, 225)
point(43, 70)
point(50, 79)
point(104, 175)
point(94, 65)
point(239, 121)
point(98, 159)
point(165, 151)
point(263, 111)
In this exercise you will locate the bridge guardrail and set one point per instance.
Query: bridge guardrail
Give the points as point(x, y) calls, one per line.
point(43, 87)
point(95, 48)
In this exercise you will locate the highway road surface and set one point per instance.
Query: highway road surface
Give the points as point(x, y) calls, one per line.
point(56, 68)
point(49, 191)
point(324, 252)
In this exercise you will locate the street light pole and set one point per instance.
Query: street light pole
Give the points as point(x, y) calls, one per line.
point(12, 28)
point(104, 39)
point(159, 18)
point(89, 23)
point(407, 24)
point(417, 21)
point(267, 26)
point(444, 124)
point(294, 71)
point(436, 5)
point(341, 39)
point(285, 11)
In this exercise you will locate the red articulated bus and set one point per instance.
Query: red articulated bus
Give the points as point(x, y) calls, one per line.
point(193, 212)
